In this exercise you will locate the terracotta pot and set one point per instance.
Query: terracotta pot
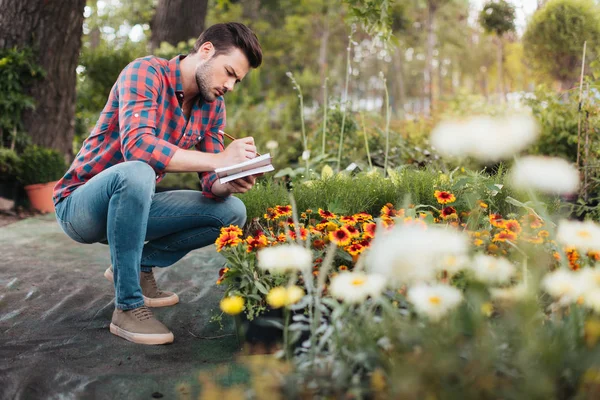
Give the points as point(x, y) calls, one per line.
point(40, 196)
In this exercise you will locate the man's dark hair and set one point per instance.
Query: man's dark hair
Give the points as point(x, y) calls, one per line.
point(226, 37)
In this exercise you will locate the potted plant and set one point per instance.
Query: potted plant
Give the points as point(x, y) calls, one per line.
point(9, 162)
point(39, 170)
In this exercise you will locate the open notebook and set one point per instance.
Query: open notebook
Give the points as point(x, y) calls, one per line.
point(254, 166)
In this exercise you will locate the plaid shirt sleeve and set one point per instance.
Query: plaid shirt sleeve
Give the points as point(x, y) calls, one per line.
point(138, 87)
point(212, 143)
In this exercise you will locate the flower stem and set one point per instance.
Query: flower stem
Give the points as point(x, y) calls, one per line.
point(387, 127)
point(362, 116)
point(324, 115)
point(345, 101)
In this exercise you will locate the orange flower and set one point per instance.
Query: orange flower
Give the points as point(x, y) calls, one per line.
point(271, 214)
point(281, 238)
point(534, 239)
point(369, 229)
point(318, 244)
point(355, 249)
point(444, 197)
point(556, 255)
point(232, 229)
point(341, 237)
point(303, 216)
point(573, 257)
point(415, 222)
point(482, 204)
point(283, 211)
point(342, 268)
point(448, 212)
point(543, 233)
point(348, 220)
point(504, 236)
point(513, 226)
point(222, 273)
point(477, 242)
point(387, 222)
point(303, 233)
point(352, 231)
point(387, 210)
point(492, 248)
point(497, 220)
point(255, 243)
point(227, 239)
point(326, 214)
point(594, 255)
point(532, 220)
point(363, 217)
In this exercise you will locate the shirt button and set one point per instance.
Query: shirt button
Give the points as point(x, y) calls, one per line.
point(180, 94)
point(136, 115)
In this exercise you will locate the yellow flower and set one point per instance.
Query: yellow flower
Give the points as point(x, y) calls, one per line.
point(444, 197)
point(281, 296)
point(232, 305)
point(487, 309)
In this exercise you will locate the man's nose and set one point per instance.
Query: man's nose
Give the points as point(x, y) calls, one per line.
point(229, 85)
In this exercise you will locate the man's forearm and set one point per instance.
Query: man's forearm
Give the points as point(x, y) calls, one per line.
point(192, 161)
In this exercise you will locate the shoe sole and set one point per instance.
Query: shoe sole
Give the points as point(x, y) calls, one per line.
point(148, 301)
point(142, 338)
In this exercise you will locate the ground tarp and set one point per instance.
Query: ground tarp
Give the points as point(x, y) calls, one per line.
point(56, 306)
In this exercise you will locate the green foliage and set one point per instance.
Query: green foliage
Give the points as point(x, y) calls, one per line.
point(498, 17)
point(369, 191)
point(18, 70)
point(9, 162)
point(40, 165)
point(555, 36)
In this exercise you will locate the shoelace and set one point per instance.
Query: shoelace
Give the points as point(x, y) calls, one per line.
point(143, 313)
point(149, 276)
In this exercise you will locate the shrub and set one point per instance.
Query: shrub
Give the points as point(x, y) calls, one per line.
point(9, 161)
point(40, 165)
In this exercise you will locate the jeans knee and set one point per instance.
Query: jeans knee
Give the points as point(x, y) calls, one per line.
point(137, 176)
point(236, 214)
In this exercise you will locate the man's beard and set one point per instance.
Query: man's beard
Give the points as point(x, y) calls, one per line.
point(202, 80)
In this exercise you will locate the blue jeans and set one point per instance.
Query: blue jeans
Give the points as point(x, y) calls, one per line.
point(118, 207)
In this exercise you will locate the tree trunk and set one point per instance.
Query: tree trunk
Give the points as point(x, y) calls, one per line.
point(428, 70)
point(177, 21)
point(500, 67)
point(53, 29)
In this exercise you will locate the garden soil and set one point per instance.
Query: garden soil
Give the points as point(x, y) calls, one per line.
point(56, 307)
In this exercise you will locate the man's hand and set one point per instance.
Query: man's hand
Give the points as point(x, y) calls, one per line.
point(238, 151)
point(241, 185)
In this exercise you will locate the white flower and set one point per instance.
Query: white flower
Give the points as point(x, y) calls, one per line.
point(492, 270)
point(565, 285)
point(547, 174)
point(581, 235)
point(512, 293)
point(272, 145)
point(410, 253)
point(452, 264)
point(591, 299)
point(355, 287)
point(284, 258)
point(434, 301)
point(305, 155)
point(591, 275)
point(485, 138)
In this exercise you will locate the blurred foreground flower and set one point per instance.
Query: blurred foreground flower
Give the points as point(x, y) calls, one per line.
point(285, 258)
point(551, 175)
point(580, 235)
point(355, 287)
point(434, 301)
point(281, 296)
point(485, 138)
point(232, 305)
point(492, 270)
point(408, 253)
point(566, 286)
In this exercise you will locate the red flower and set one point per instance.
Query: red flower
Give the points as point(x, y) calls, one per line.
point(444, 197)
point(448, 212)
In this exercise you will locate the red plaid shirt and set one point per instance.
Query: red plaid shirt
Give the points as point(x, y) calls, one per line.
point(143, 120)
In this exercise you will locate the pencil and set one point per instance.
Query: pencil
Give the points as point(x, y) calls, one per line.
point(228, 136)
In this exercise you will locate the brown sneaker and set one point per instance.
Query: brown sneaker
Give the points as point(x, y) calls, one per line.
point(153, 296)
point(140, 326)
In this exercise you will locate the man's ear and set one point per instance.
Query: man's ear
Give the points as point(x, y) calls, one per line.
point(207, 50)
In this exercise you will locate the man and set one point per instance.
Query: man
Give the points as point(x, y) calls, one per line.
point(158, 110)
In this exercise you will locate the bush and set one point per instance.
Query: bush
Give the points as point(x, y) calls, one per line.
point(40, 165)
point(9, 161)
